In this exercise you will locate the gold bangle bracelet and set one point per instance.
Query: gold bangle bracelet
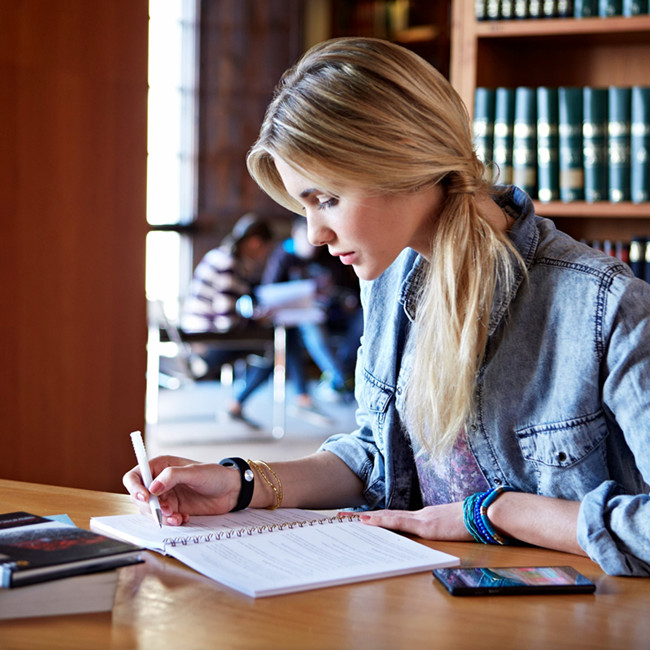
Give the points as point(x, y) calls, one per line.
point(277, 491)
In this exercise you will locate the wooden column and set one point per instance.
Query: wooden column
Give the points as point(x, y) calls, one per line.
point(73, 103)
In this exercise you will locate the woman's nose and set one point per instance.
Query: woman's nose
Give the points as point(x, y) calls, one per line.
point(317, 232)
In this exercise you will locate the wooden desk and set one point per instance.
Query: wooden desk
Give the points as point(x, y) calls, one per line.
point(163, 605)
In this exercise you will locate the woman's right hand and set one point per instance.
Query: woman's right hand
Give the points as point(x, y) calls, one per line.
point(184, 488)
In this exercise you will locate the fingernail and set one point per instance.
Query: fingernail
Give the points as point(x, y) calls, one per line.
point(140, 496)
point(155, 486)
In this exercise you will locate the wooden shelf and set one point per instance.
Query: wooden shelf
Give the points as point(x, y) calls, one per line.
point(562, 27)
point(600, 210)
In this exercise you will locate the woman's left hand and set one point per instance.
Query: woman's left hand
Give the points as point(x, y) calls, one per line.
point(444, 522)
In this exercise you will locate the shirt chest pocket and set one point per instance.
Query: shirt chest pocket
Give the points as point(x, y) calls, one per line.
point(375, 397)
point(568, 457)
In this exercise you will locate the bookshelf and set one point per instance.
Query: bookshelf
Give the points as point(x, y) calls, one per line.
point(557, 52)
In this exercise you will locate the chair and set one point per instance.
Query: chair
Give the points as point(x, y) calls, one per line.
point(250, 340)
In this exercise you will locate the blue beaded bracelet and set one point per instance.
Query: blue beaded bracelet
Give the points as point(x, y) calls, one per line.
point(476, 520)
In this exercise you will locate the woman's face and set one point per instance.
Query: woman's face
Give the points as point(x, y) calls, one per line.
point(364, 230)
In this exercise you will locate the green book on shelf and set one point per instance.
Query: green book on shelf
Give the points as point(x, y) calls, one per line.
point(504, 119)
point(594, 143)
point(565, 8)
point(640, 144)
point(547, 145)
point(636, 7)
point(524, 140)
point(619, 143)
point(535, 9)
point(609, 8)
point(484, 123)
point(585, 8)
point(570, 143)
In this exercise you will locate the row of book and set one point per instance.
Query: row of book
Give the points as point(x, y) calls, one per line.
point(635, 253)
point(533, 9)
point(567, 143)
point(49, 566)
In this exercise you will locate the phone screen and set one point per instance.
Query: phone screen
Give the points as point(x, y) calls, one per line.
point(481, 581)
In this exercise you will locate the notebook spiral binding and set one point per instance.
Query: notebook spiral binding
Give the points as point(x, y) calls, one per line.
point(254, 530)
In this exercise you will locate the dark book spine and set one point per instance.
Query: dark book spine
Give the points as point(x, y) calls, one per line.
point(493, 9)
point(619, 143)
point(521, 8)
point(480, 8)
point(524, 141)
point(640, 144)
point(504, 119)
point(565, 8)
point(637, 256)
point(549, 8)
point(609, 8)
point(547, 145)
point(570, 143)
point(594, 142)
point(484, 123)
point(507, 9)
point(585, 8)
point(636, 7)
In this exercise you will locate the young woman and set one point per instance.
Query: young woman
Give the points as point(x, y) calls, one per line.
point(502, 364)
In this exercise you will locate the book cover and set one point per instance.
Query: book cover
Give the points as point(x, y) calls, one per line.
point(619, 143)
point(535, 9)
point(83, 594)
point(594, 140)
point(524, 141)
point(504, 119)
point(480, 8)
point(35, 549)
point(263, 552)
point(585, 8)
point(640, 144)
point(570, 143)
point(547, 145)
point(483, 125)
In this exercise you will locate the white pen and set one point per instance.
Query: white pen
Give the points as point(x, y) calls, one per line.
point(145, 470)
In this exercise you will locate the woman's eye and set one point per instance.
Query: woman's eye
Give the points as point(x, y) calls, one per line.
point(330, 203)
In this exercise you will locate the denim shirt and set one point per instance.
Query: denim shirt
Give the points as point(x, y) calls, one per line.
point(562, 403)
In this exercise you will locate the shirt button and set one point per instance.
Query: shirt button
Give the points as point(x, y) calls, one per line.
point(561, 456)
point(497, 481)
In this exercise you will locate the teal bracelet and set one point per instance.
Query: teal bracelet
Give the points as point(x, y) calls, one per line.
point(475, 517)
point(469, 505)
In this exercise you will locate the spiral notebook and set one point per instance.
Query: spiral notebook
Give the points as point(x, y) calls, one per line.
point(270, 552)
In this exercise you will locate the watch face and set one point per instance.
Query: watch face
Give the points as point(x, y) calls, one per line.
point(248, 475)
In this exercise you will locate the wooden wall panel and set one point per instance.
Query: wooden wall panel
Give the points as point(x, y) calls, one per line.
point(72, 227)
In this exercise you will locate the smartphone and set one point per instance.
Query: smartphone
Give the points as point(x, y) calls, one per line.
point(483, 581)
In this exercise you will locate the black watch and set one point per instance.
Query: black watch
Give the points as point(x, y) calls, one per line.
point(247, 481)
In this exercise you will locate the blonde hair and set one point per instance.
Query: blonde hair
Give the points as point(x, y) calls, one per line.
point(368, 113)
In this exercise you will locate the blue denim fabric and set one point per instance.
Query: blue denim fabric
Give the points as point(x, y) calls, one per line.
point(562, 398)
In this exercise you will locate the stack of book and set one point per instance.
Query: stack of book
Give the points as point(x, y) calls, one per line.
point(567, 143)
point(50, 567)
point(533, 9)
point(635, 253)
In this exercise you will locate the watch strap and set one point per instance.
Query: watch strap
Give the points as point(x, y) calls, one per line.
point(247, 481)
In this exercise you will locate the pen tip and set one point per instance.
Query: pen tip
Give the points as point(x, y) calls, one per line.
point(159, 518)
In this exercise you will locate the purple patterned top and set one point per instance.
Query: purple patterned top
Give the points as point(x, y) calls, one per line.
point(449, 479)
